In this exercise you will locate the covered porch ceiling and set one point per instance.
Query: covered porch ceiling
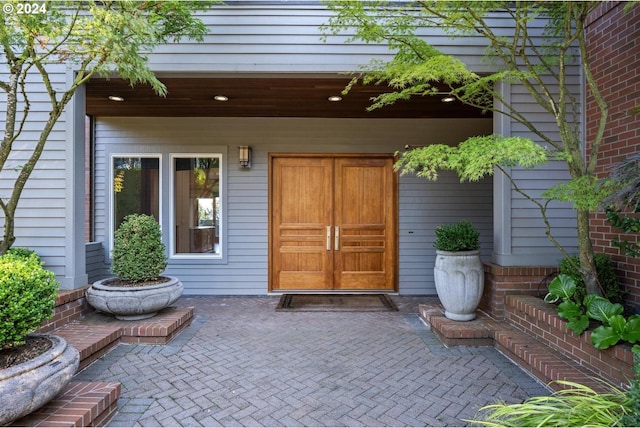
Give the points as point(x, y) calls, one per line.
point(260, 97)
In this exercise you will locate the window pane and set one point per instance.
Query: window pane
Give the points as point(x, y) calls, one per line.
point(197, 205)
point(136, 187)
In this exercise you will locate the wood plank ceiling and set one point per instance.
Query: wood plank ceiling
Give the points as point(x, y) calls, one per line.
point(260, 97)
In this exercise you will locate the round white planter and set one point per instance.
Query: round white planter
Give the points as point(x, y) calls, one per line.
point(134, 303)
point(459, 278)
point(28, 386)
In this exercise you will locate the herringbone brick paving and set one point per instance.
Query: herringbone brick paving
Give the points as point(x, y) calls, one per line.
point(241, 363)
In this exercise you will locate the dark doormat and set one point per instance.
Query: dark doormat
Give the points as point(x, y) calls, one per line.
point(336, 303)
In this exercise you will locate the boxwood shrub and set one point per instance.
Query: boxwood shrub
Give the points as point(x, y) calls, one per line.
point(27, 296)
point(461, 236)
point(138, 252)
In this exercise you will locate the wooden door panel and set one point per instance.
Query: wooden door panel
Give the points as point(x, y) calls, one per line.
point(365, 216)
point(333, 223)
point(301, 210)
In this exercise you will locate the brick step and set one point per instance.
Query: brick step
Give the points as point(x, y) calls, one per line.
point(91, 340)
point(80, 404)
point(543, 362)
point(85, 404)
point(527, 351)
point(97, 333)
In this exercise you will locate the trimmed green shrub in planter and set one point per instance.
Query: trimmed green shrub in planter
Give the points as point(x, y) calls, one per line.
point(27, 296)
point(458, 272)
point(461, 236)
point(138, 252)
point(138, 259)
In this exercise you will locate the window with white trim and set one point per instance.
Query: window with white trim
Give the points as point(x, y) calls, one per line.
point(197, 205)
point(136, 186)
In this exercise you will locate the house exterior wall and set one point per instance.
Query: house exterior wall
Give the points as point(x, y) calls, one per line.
point(243, 269)
point(249, 38)
point(614, 48)
point(45, 214)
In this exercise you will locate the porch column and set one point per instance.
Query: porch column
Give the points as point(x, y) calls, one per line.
point(75, 273)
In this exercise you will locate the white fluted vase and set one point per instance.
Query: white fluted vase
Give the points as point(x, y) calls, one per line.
point(459, 278)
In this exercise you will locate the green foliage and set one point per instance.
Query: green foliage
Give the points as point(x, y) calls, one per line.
point(138, 252)
point(27, 296)
point(22, 252)
point(111, 35)
point(584, 193)
point(627, 225)
point(632, 418)
point(604, 271)
point(473, 158)
point(626, 195)
point(615, 327)
point(461, 236)
point(625, 177)
point(575, 406)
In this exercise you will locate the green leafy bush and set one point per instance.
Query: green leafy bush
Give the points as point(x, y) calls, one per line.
point(576, 406)
point(615, 327)
point(27, 296)
point(22, 252)
point(138, 252)
point(606, 276)
point(461, 236)
point(632, 418)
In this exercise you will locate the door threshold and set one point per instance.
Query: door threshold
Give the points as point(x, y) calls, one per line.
point(293, 291)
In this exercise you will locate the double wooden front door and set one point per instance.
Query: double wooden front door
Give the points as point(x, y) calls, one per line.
point(332, 223)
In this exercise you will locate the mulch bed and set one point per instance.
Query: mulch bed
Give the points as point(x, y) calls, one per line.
point(33, 347)
point(117, 282)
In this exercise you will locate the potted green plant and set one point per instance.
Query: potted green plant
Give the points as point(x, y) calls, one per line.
point(139, 289)
point(34, 368)
point(458, 271)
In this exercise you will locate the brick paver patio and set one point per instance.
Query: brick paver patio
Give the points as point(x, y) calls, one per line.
point(241, 363)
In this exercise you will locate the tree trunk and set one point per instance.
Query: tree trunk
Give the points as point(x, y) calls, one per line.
point(587, 266)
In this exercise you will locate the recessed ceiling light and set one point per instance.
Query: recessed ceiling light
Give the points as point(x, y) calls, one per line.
point(448, 99)
point(221, 98)
point(335, 98)
point(116, 98)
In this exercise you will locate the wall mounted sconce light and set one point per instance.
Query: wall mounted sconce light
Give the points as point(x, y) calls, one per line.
point(244, 156)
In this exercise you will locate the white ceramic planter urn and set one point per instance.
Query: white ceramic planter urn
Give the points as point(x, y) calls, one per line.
point(134, 303)
point(28, 386)
point(459, 278)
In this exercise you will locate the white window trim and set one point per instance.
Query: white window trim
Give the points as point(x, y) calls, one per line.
point(112, 226)
point(172, 213)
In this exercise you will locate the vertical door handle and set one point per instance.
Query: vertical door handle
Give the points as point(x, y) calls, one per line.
point(328, 238)
point(336, 245)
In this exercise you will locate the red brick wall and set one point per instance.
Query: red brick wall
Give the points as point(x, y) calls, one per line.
point(501, 281)
point(70, 305)
point(541, 320)
point(614, 49)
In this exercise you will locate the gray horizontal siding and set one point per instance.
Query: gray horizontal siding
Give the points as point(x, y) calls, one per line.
point(96, 267)
point(287, 38)
point(423, 205)
point(523, 241)
point(42, 210)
